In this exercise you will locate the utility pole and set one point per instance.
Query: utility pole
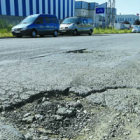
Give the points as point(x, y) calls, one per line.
point(111, 11)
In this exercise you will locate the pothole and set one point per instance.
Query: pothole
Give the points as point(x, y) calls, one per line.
point(78, 51)
point(62, 116)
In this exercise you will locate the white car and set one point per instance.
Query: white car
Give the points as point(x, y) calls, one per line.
point(136, 29)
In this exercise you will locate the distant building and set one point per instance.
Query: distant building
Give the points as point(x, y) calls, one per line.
point(88, 9)
point(130, 18)
point(60, 8)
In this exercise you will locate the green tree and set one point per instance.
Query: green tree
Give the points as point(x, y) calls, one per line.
point(137, 22)
point(126, 22)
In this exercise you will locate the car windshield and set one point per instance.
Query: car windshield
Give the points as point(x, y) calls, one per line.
point(136, 27)
point(29, 19)
point(70, 20)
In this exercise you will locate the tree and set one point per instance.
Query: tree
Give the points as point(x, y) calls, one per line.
point(137, 22)
point(126, 22)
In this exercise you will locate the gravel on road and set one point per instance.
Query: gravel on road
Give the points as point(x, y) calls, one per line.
point(70, 88)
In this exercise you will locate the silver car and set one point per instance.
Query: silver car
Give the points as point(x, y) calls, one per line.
point(76, 26)
point(136, 29)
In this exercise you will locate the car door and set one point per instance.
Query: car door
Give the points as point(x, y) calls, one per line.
point(40, 25)
point(48, 25)
point(82, 26)
point(85, 25)
point(54, 24)
point(79, 25)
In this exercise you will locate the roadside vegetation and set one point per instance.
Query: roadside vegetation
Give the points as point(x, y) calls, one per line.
point(5, 29)
point(110, 31)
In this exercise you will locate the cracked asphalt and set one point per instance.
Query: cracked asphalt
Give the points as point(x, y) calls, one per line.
point(43, 79)
point(29, 66)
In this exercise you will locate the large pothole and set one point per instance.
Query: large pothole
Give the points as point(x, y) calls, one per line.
point(59, 115)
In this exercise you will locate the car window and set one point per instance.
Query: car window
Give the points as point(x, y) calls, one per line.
point(70, 20)
point(29, 19)
point(85, 21)
point(90, 21)
point(54, 20)
point(47, 19)
point(40, 20)
point(80, 21)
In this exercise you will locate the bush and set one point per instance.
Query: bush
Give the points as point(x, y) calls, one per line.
point(5, 25)
point(126, 22)
point(110, 31)
point(137, 22)
point(5, 28)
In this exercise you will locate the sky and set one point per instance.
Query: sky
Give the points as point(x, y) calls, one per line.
point(123, 6)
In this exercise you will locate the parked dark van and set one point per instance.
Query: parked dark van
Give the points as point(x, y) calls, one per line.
point(77, 25)
point(39, 24)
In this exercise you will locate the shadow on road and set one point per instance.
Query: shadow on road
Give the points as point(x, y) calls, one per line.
point(49, 36)
point(101, 35)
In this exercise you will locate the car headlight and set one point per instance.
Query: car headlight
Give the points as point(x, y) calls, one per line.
point(25, 28)
point(71, 26)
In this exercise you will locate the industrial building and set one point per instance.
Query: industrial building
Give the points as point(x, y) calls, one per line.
point(60, 8)
point(86, 9)
point(130, 18)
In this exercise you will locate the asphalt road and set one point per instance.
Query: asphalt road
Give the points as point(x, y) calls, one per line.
point(29, 66)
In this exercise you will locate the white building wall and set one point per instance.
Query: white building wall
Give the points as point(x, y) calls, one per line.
point(82, 13)
point(129, 18)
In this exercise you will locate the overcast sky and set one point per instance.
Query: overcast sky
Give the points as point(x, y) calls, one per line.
point(123, 6)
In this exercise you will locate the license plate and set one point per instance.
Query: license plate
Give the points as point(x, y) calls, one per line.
point(63, 31)
point(17, 31)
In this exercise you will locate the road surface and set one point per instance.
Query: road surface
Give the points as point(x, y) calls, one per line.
point(83, 65)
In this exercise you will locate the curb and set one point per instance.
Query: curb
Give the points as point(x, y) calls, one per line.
point(6, 37)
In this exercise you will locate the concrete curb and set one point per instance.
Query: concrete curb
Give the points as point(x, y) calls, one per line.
point(6, 37)
point(92, 35)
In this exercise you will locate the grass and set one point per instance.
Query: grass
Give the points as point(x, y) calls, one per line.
point(110, 31)
point(5, 29)
point(5, 33)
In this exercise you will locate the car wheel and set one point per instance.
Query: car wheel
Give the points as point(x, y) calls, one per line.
point(41, 35)
point(90, 32)
point(55, 33)
point(75, 32)
point(18, 36)
point(33, 33)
